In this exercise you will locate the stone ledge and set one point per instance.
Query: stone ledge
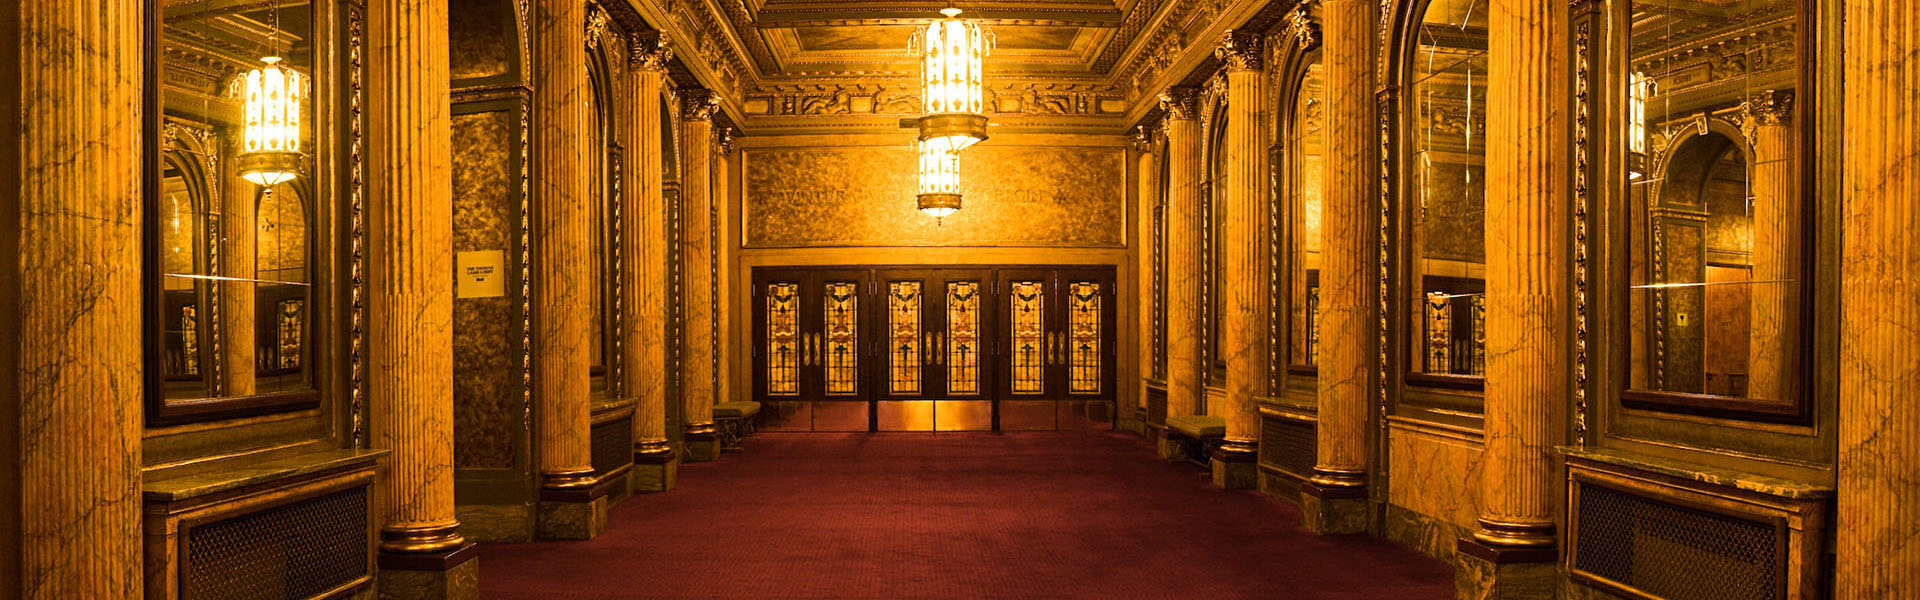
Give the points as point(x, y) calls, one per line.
point(1708, 474)
point(242, 473)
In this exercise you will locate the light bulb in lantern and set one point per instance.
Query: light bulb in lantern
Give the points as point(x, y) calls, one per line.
point(270, 154)
point(939, 181)
point(1640, 89)
point(952, 57)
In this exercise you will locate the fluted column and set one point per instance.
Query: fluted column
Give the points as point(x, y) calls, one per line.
point(72, 291)
point(1527, 258)
point(1185, 307)
point(721, 240)
point(1147, 197)
point(645, 289)
point(697, 376)
point(239, 203)
point(410, 288)
point(1776, 248)
point(1247, 257)
point(1880, 304)
point(562, 309)
point(1350, 277)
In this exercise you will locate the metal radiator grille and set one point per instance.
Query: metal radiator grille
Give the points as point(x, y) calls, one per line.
point(612, 444)
point(1289, 445)
point(1676, 552)
point(294, 551)
point(1156, 406)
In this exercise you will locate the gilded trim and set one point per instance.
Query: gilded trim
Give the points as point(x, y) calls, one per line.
point(356, 194)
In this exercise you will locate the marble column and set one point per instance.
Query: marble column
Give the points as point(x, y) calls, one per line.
point(1511, 551)
point(71, 291)
point(645, 364)
point(725, 355)
point(1880, 305)
point(1773, 349)
point(571, 505)
point(409, 211)
point(1334, 500)
point(239, 203)
point(1147, 197)
point(1247, 257)
point(697, 376)
point(1185, 308)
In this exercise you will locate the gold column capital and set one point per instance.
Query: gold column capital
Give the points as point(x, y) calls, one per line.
point(1304, 29)
point(1181, 103)
point(649, 52)
point(1240, 50)
point(698, 105)
point(723, 140)
point(1771, 107)
point(1141, 140)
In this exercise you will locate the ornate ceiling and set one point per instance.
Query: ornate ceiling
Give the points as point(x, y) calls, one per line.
point(868, 38)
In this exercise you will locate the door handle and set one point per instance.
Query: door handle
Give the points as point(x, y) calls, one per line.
point(941, 358)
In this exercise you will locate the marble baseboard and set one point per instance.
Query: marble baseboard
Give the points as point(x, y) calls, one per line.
point(653, 478)
point(702, 450)
point(1477, 579)
point(1280, 487)
point(1169, 448)
point(1235, 475)
point(461, 582)
point(1430, 536)
point(1333, 516)
point(559, 520)
point(496, 522)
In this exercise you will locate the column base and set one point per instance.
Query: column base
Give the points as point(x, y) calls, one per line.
point(1333, 510)
point(703, 443)
point(1235, 465)
point(1485, 572)
point(571, 514)
point(450, 575)
point(654, 470)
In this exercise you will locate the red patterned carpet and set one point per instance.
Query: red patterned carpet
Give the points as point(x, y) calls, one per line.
point(974, 515)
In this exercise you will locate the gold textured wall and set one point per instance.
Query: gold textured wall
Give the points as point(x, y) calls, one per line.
point(1047, 196)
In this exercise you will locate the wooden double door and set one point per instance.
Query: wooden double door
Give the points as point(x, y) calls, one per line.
point(934, 348)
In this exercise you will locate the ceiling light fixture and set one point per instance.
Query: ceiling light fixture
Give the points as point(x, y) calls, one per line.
point(270, 154)
point(952, 57)
point(939, 181)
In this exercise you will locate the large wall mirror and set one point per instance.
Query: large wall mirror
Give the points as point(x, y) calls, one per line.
point(231, 236)
point(1718, 206)
point(1443, 195)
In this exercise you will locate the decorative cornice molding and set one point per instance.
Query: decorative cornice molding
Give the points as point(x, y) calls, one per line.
point(1181, 103)
point(1240, 51)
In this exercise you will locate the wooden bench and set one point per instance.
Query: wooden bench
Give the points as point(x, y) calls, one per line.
point(1196, 435)
point(735, 421)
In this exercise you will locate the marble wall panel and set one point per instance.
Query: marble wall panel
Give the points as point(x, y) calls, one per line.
point(484, 40)
point(486, 383)
point(1435, 473)
point(864, 196)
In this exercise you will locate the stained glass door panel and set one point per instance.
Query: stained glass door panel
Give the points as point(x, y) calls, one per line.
point(1028, 338)
point(961, 345)
point(905, 345)
point(783, 349)
point(1085, 354)
point(840, 348)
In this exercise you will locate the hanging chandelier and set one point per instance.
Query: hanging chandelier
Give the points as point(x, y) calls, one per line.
point(939, 181)
point(270, 154)
point(952, 54)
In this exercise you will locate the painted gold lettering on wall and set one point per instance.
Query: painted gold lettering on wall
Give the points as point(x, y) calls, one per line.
point(863, 196)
